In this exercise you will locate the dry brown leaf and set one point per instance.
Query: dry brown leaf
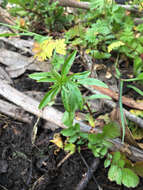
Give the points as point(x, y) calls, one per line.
point(127, 101)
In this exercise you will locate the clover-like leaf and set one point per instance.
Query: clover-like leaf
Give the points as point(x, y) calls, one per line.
point(129, 178)
point(115, 174)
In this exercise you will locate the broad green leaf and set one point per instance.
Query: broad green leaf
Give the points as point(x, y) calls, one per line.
point(68, 132)
point(107, 143)
point(68, 118)
point(67, 64)
point(111, 130)
point(72, 139)
point(121, 163)
point(98, 96)
point(70, 147)
point(115, 174)
point(136, 89)
point(129, 178)
point(116, 157)
point(95, 152)
point(92, 81)
point(49, 97)
point(83, 135)
point(95, 138)
point(103, 151)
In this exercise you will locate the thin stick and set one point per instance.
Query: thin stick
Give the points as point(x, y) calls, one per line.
point(64, 159)
point(55, 116)
point(88, 175)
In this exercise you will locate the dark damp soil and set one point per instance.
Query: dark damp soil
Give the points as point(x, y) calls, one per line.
point(27, 167)
point(24, 166)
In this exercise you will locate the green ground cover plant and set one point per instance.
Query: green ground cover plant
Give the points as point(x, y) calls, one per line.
point(105, 30)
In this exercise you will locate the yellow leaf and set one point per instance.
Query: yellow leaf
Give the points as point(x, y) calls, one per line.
point(87, 51)
point(115, 45)
point(57, 140)
point(137, 112)
point(60, 46)
point(45, 49)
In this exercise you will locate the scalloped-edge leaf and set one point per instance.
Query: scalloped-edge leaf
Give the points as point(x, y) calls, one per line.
point(129, 178)
point(115, 174)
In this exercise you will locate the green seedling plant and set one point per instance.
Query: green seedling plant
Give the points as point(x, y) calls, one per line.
point(41, 14)
point(104, 31)
point(121, 83)
point(119, 170)
point(107, 29)
point(68, 86)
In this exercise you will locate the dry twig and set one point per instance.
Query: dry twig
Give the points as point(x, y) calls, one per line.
point(55, 116)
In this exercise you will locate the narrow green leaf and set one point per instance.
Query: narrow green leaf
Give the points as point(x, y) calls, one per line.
point(65, 99)
point(8, 34)
point(81, 75)
point(38, 76)
point(67, 64)
point(47, 80)
point(98, 96)
point(49, 97)
point(56, 76)
point(92, 81)
point(136, 89)
point(71, 97)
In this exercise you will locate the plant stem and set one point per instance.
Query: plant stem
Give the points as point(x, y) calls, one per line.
point(121, 109)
